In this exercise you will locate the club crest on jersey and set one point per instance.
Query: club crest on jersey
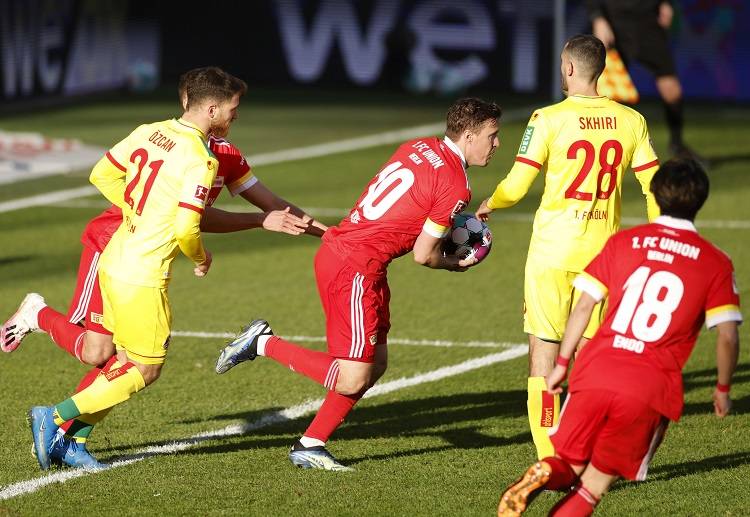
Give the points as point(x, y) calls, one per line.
point(460, 205)
point(201, 192)
point(210, 165)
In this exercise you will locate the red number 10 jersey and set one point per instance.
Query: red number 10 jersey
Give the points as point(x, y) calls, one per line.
point(420, 188)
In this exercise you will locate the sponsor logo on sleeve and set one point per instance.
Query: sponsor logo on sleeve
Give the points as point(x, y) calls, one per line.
point(526, 139)
point(460, 205)
point(201, 192)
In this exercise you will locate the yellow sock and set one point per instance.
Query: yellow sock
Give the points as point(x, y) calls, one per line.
point(544, 412)
point(110, 389)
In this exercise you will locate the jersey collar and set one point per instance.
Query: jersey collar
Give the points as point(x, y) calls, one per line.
point(453, 147)
point(190, 125)
point(674, 222)
point(587, 98)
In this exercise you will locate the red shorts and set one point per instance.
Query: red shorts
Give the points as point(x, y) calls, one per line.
point(617, 434)
point(356, 307)
point(87, 300)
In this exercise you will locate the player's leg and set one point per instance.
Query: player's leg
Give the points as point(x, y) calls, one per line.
point(547, 298)
point(141, 353)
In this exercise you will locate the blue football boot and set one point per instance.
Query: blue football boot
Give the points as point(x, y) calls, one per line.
point(44, 431)
point(73, 454)
point(244, 347)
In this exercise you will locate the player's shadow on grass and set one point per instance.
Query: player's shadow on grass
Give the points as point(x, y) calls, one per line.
point(4, 261)
point(689, 468)
point(445, 417)
point(707, 377)
point(718, 161)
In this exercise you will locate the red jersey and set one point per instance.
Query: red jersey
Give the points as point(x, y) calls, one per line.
point(420, 188)
point(664, 280)
point(233, 171)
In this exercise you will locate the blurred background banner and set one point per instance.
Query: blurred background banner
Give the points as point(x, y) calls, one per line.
point(53, 49)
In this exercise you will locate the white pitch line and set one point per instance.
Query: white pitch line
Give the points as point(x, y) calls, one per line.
point(290, 413)
point(286, 155)
point(322, 339)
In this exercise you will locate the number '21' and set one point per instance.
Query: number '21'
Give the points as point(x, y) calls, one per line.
point(140, 158)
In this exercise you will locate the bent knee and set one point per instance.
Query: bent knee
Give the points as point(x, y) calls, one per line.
point(351, 386)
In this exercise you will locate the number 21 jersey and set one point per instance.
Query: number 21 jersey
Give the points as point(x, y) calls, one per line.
point(419, 188)
point(168, 168)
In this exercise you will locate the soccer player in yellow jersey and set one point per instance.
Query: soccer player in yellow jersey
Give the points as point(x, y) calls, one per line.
point(585, 144)
point(160, 175)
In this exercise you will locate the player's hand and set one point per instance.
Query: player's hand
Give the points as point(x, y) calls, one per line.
point(666, 13)
point(466, 263)
point(556, 378)
point(483, 212)
point(202, 268)
point(603, 31)
point(284, 221)
point(722, 403)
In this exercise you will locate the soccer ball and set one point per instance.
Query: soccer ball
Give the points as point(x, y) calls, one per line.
point(468, 237)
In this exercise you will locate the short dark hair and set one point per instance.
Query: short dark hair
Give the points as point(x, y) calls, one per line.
point(209, 83)
point(469, 113)
point(588, 53)
point(680, 187)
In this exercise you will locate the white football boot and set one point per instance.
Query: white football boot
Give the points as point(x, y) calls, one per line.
point(22, 323)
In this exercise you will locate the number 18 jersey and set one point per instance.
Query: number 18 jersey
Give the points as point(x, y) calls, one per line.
point(419, 188)
point(664, 280)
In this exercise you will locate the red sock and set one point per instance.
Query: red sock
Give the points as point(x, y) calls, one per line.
point(578, 503)
point(318, 366)
point(562, 476)
point(89, 378)
point(330, 415)
point(65, 334)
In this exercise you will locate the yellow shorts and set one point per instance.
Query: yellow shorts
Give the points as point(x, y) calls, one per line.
point(139, 318)
point(549, 297)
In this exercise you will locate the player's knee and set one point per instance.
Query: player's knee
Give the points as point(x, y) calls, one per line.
point(97, 349)
point(351, 385)
point(150, 373)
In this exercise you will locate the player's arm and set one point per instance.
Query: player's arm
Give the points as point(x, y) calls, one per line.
point(727, 352)
point(220, 221)
point(108, 176)
point(512, 189)
point(593, 290)
point(265, 199)
point(427, 252)
point(599, 24)
point(644, 175)
point(190, 208)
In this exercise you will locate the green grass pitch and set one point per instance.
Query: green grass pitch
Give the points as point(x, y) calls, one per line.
point(446, 447)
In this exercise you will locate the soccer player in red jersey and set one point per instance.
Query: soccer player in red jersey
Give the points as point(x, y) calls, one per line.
point(80, 332)
point(407, 206)
point(662, 281)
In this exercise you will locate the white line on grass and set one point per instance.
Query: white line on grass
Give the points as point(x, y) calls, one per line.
point(286, 155)
point(290, 413)
point(516, 217)
point(391, 341)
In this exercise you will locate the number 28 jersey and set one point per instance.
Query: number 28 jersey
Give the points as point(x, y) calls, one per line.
point(419, 188)
point(664, 280)
point(587, 144)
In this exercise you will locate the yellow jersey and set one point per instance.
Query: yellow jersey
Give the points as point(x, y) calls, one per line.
point(585, 144)
point(160, 175)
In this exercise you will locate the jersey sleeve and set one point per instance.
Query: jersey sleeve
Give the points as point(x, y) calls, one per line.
point(239, 177)
point(645, 164)
point(449, 201)
point(596, 278)
point(532, 153)
point(195, 188)
point(723, 300)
